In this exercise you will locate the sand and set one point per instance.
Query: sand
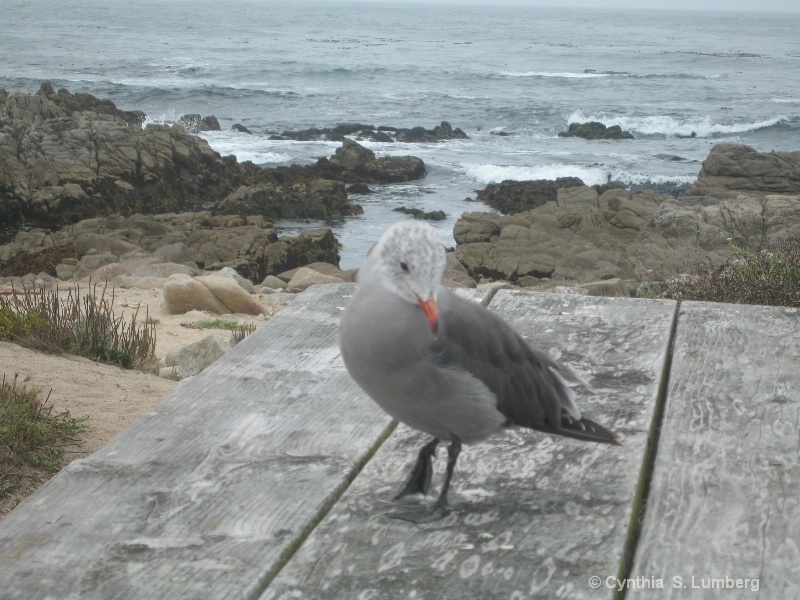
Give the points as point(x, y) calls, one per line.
point(109, 397)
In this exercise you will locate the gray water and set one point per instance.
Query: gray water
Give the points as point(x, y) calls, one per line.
point(680, 82)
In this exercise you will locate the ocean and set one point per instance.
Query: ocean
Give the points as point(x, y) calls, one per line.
point(512, 77)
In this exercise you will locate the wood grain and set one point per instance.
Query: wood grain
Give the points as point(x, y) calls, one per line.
point(533, 516)
point(205, 496)
point(725, 495)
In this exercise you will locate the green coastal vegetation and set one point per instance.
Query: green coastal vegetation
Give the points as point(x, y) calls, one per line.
point(767, 276)
point(81, 325)
point(32, 436)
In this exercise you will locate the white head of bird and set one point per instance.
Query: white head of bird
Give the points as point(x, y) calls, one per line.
point(410, 259)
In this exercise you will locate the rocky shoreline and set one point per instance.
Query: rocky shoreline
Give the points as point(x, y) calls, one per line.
point(76, 173)
point(67, 157)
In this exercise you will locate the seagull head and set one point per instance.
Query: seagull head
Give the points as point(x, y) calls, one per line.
point(410, 261)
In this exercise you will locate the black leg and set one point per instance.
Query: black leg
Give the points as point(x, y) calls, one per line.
point(419, 478)
point(433, 512)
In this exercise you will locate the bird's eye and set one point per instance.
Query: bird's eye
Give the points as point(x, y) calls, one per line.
point(404, 266)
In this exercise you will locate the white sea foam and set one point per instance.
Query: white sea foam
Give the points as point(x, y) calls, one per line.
point(487, 173)
point(670, 126)
point(254, 148)
point(170, 117)
point(589, 75)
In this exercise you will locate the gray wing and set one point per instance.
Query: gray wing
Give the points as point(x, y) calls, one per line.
point(530, 386)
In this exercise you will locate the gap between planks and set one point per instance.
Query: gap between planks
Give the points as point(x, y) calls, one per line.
point(290, 551)
point(648, 465)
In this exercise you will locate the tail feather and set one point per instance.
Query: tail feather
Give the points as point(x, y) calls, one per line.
point(586, 429)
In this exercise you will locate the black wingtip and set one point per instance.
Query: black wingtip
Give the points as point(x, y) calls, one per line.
point(588, 430)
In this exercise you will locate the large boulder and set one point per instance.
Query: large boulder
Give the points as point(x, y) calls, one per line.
point(353, 163)
point(232, 295)
point(305, 277)
point(191, 358)
point(439, 133)
point(509, 197)
point(67, 157)
point(596, 131)
point(311, 199)
point(194, 123)
point(211, 293)
point(739, 168)
point(183, 293)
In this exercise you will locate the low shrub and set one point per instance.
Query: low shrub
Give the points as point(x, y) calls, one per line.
point(32, 438)
point(769, 276)
point(85, 326)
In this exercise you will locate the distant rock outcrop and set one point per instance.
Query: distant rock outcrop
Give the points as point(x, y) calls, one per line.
point(66, 157)
point(384, 133)
point(417, 213)
point(353, 163)
point(437, 134)
point(596, 131)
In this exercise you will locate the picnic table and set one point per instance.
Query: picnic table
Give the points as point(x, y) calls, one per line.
point(268, 475)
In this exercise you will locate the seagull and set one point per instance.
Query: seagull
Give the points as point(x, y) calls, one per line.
point(447, 366)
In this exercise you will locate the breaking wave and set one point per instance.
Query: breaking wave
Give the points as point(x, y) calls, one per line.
point(670, 126)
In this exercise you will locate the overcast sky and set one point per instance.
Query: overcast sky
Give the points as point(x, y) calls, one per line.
point(738, 5)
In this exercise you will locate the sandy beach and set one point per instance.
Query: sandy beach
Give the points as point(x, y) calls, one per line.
point(110, 398)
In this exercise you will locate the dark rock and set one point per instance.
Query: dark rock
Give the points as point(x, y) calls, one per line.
point(739, 168)
point(382, 134)
point(353, 163)
point(359, 188)
point(210, 123)
point(437, 134)
point(596, 131)
point(240, 128)
point(375, 136)
point(336, 133)
point(509, 197)
point(433, 215)
point(44, 261)
point(194, 123)
point(312, 199)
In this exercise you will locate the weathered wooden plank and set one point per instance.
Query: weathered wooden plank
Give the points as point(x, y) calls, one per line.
point(724, 501)
point(205, 495)
point(533, 516)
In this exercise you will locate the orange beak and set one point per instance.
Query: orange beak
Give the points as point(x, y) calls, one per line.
point(431, 311)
